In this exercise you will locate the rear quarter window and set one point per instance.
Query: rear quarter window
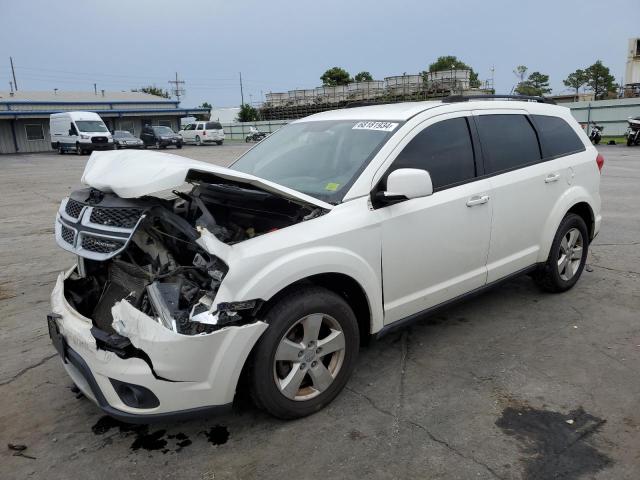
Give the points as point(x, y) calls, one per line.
point(214, 126)
point(557, 138)
point(508, 142)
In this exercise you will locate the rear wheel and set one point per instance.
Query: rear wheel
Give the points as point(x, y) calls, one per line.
point(198, 140)
point(219, 142)
point(567, 256)
point(629, 140)
point(179, 146)
point(307, 354)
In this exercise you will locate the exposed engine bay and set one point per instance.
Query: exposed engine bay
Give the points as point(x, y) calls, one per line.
point(144, 250)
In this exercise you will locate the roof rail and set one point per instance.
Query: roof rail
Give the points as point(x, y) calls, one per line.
point(524, 98)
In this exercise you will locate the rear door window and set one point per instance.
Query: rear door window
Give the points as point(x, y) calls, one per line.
point(557, 138)
point(199, 127)
point(508, 142)
point(444, 149)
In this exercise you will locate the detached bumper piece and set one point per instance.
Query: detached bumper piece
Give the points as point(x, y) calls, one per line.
point(135, 396)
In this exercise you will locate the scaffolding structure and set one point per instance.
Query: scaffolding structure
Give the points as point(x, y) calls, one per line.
point(401, 88)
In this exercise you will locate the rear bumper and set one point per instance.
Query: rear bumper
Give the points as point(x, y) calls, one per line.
point(187, 376)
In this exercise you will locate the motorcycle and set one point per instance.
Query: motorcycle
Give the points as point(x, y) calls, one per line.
point(254, 135)
point(596, 134)
point(633, 132)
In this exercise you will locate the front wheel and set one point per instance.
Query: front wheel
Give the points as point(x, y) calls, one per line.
point(79, 150)
point(567, 256)
point(60, 149)
point(307, 354)
point(630, 140)
point(179, 146)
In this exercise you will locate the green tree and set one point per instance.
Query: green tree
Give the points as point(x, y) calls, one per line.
point(247, 113)
point(576, 80)
point(153, 90)
point(537, 84)
point(521, 72)
point(363, 77)
point(335, 76)
point(204, 116)
point(599, 80)
point(451, 62)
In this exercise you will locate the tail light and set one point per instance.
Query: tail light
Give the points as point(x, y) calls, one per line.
point(600, 162)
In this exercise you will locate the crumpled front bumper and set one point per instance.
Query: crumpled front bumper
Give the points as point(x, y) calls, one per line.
point(191, 375)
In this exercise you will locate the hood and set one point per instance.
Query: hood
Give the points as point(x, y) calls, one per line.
point(131, 174)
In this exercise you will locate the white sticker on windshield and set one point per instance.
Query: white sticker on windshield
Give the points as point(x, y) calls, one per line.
point(381, 126)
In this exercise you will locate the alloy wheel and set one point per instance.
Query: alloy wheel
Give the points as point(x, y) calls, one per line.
point(309, 357)
point(570, 254)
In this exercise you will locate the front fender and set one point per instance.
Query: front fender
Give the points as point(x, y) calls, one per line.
point(572, 196)
point(297, 265)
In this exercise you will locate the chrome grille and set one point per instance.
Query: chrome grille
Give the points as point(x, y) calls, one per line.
point(100, 245)
point(67, 235)
point(73, 208)
point(116, 217)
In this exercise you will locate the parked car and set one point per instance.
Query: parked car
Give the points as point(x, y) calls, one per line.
point(203, 132)
point(160, 137)
point(340, 225)
point(125, 139)
point(79, 132)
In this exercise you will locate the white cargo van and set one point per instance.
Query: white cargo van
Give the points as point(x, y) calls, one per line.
point(79, 132)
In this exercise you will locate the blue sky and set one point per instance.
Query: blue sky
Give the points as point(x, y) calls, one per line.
point(283, 45)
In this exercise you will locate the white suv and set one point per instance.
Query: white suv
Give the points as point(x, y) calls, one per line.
point(203, 132)
point(341, 225)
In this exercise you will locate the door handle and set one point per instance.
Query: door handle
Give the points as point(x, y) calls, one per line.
point(477, 200)
point(552, 177)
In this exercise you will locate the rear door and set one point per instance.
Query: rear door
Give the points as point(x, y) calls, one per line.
point(523, 188)
point(435, 248)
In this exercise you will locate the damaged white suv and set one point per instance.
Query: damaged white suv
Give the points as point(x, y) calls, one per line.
point(338, 226)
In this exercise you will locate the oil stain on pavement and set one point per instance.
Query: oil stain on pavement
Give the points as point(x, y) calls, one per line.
point(156, 440)
point(556, 444)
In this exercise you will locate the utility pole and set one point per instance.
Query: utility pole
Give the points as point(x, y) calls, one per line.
point(241, 92)
point(11, 85)
point(13, 72)
point(177, 90)
point(95, 89)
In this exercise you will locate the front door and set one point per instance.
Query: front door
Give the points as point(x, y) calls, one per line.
point(435, 248)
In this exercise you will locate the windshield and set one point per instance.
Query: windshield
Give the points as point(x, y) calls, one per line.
point(321, 159)
point(163, 130)
point(91, 126)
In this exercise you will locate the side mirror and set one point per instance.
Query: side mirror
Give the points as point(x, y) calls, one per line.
point(405, 184)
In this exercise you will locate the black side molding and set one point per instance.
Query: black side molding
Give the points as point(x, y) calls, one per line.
point(405, 322)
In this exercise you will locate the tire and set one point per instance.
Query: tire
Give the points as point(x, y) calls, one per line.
point(179, 146)
point(79, 151)
point(219, 142)
point(596, 140)
point(60, 149)
point(630, 140)
point(247, 139)
point(290, 320)
point(198, 141)
point(554, 277)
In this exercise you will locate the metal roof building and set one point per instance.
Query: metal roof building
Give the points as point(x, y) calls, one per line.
point(24, 116)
